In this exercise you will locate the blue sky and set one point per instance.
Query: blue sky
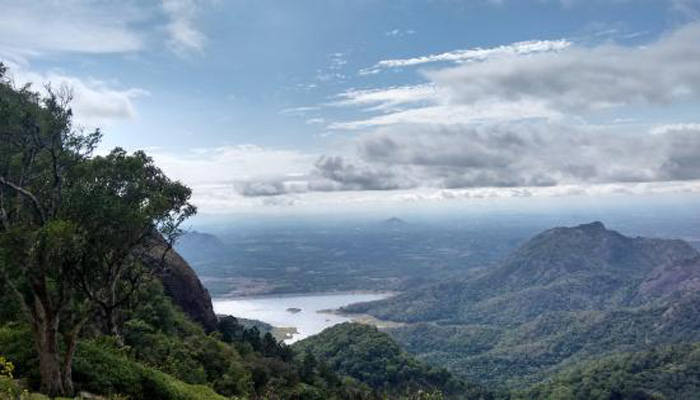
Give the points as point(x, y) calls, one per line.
point(286, 105)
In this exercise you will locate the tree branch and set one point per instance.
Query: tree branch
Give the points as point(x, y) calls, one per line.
point(27, 194)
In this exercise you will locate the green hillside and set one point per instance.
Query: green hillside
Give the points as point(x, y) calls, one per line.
point(567, 295)
point(667, 373)
point(374, 358)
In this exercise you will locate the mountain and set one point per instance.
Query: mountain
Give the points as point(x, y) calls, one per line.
point(394, 222)
point(566, 295)
point(198, 246)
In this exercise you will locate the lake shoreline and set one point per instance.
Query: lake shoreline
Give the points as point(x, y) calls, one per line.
point(299, 315)
point(388, 293)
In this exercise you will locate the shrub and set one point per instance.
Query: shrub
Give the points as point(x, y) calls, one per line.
point(101, 368)
point(6, 368)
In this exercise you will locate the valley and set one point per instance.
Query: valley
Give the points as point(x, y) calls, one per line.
point(511, 316)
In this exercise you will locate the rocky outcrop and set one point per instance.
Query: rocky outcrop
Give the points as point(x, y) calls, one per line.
point(182, 284)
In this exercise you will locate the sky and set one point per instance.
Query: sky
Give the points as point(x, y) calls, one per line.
point(284, 106)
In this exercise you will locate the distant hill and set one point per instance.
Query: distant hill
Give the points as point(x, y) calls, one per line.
point(394, 222)
point(566, 295)
point(198, 246)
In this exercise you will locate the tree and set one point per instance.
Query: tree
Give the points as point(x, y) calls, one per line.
point(308, 367)
point(269, 345)
point(73, 227)
point(231, 330)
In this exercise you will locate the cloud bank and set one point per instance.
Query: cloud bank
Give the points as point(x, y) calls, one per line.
point(517, 118)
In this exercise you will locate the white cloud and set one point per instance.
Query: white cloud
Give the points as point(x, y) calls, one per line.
point(218, 175)
point(228, 164)
point(477, 54)
point(670, 128)
point(388, 98)
point(35, 28)
point(95, 103)
point(451, 115)
point(517, 123)
point(507, 155)
point(583, 79)
point(185, 37)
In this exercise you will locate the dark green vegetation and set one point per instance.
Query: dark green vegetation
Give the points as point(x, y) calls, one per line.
point(364, 353)
point(570, 294)
point(89, 282)
point(665, 373)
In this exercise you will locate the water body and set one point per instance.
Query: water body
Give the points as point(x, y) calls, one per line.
point(295, 311)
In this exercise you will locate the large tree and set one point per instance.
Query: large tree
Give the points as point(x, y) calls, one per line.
point(73, 226)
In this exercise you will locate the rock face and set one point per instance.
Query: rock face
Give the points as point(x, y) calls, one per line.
point(182, 285)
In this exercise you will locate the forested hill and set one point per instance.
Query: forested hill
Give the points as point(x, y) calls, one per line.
point(374, 358)
point(567, 294)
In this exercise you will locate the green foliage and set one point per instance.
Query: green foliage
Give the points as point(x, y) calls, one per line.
point(101, 368)
point(6, 368)
point(659, 374)
point(161, 336)
point(74, 228)
point(8, 388)
point(372, 357)
point(17, 345)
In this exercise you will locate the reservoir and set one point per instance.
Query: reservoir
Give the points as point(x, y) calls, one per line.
point(295, 311)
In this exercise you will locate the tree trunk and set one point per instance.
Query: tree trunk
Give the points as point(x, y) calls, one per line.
point(71, 345)
point(52, 382)
point(110, 311)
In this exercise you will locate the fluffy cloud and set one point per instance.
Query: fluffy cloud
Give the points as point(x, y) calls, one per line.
point(517, 123)
point(30, 29)
point(33, 28)
point(185, 37)
point(95, 103)
point(580, 79)
point(510, 155)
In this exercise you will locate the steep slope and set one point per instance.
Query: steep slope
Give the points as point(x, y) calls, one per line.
point(567, 295)
point(182, 284)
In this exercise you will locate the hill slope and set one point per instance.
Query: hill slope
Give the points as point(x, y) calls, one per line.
point(658, 374)
point(374, 358)
point(566, 295)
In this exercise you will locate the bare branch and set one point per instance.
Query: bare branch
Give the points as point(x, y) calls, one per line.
point(27, 194)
